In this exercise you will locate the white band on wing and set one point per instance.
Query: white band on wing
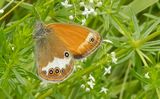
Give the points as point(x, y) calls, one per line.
point(90, 35)
point(57, 62)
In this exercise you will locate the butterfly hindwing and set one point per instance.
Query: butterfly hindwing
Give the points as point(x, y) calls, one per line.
point(54, 61)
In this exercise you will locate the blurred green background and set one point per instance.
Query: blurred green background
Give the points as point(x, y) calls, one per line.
point(126, 65)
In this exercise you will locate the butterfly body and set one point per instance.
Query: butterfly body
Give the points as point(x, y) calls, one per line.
point(57, 45)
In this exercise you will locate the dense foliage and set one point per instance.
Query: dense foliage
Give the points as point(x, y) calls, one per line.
point(125, 66)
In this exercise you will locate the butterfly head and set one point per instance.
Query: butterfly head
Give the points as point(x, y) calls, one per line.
point(40, 31)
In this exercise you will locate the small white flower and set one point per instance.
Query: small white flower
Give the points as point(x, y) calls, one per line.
point(99, 4)
point(71, 17)
point(6, 6)
point(108, 41)
point(84, 59)
point(90, 1)
point(94, 13)
point(12, 48)
point(104, 90)
point(65, 4)
point(84, 77)
point(87, 89)
point(83, 21)
point(146, 75)
point(91, 78)
point(86, 12)
point(82, 86)
point(114, 59)
point(1, 11)
point(107, 70)
point(91, 84)
point(82, 4)
point(91, 10)
point(79, 67)
point(44, 83)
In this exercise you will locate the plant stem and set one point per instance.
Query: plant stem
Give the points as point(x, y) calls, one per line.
point(153, 35)
point(124, 81)
point(11, 10)
point(158, 93)
point(43, 96)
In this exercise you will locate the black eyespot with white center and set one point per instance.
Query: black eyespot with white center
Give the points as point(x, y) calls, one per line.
point(62, 71)
point(57, 70)
point(66, 54)
point(91, 39)
point(51, 71)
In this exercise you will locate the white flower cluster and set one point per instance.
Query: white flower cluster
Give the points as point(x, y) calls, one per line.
point(113, 56)
point(103, 90)
point(66, 4)
point(90, 83)
point(88, 11)
point(89, 8)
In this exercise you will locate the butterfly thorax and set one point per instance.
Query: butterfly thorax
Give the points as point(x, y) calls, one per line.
point(40, 32)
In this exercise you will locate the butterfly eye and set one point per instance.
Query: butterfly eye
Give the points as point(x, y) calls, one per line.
point(66, 54)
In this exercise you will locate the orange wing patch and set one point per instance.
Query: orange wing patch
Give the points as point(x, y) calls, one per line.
point(80, 40)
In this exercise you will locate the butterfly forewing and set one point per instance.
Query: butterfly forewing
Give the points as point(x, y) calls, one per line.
point(81, 41)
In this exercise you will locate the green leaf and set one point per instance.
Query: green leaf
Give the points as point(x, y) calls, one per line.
point(6, 93)
point(138, 6)
point(19, 77)
point(150, 29)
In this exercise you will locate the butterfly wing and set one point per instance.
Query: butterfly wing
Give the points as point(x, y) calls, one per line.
point(80, 40)
point(54, 61)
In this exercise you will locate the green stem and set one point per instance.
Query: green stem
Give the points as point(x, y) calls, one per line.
point(124, 81)
point(153, 35)
point(43, 96)
point(141, 56)
point(17, 23)
point(11, 10)
point(158, 93)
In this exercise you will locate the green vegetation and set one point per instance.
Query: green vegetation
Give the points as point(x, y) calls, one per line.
point(126, 65)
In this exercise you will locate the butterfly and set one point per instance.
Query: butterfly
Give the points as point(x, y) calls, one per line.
point(57, 45)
